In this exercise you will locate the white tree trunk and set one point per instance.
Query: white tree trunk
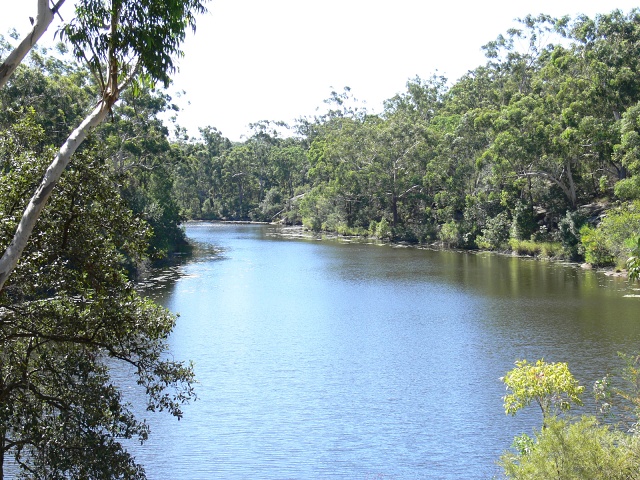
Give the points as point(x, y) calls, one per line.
point(39, 199)
point(43, 20)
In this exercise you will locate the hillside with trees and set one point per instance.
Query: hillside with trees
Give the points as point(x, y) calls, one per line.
point(535, 151)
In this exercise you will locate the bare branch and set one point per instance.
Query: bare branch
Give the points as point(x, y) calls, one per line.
point(43, 20)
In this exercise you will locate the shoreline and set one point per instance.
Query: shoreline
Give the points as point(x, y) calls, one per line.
point(303, 232)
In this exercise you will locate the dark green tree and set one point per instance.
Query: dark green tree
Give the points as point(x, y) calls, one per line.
point(69, 314)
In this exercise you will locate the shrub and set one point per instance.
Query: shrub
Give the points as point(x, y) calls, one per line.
point(524, 223)
point(569, 233)
point(496, 232)
point(381, 230)
point(575, 450)
point(620, 225)
point(449, 234)
point(271, 204)
point(594, 244)
point(628, 188)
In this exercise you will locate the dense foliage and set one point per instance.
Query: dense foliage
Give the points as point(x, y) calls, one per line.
point(570, 447)
point(69, 310)
point(520, 153)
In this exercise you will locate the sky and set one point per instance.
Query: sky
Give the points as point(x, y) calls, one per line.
point(253, 60)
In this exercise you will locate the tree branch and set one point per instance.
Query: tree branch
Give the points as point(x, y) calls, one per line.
point(39, 199)
point(44, 18)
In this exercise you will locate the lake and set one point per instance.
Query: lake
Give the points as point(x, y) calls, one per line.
point(352, 360)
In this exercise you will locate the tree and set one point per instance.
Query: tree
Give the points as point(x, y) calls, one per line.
point(68, 310)
point(141, 40)
point(550, 385)
point(573, 448)
point(69, 314)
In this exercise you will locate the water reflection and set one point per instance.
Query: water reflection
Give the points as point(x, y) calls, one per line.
point(349, 360)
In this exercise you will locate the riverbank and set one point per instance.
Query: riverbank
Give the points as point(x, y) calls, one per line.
point(299, 231)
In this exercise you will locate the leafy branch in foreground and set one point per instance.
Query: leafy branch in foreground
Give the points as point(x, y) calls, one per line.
point(121, 42)
point(570, 448)
point(70, 316)
point(550, 385)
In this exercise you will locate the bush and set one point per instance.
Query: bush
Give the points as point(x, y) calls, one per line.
point(620, 225)
point(524, 223)
point(271, 204)
point(628, 188)
point(594, 245)
point(612, 242)
point(569, 234)
point(381, 229)
point(496, 233)
point(449, 234)
point(575, 450)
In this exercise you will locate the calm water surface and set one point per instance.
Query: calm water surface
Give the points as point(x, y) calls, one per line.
point(358, 361)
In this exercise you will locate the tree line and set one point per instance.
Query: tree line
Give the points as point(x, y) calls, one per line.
point(528, 152)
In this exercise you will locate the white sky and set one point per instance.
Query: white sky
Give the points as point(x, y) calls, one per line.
point(254, 60)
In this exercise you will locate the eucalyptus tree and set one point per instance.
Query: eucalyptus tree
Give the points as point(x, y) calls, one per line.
point(70, 314)
point(44, 18)
point(121, 42)
point(340, 158)
point(68, 311)
point(239, 181)
point(627, 153)
point(608, 47)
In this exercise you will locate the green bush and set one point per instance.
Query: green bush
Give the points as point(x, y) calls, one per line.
point(271, 205)
point(346, 231)
point(495, 235)
point(594, 244)
point(578, 450)
point(524, 224)
point(612, 241)
point(628, 188)
point(569, 234)
point(570, 448)
point(449, 234)
point(381, 229)
point(620, 225)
